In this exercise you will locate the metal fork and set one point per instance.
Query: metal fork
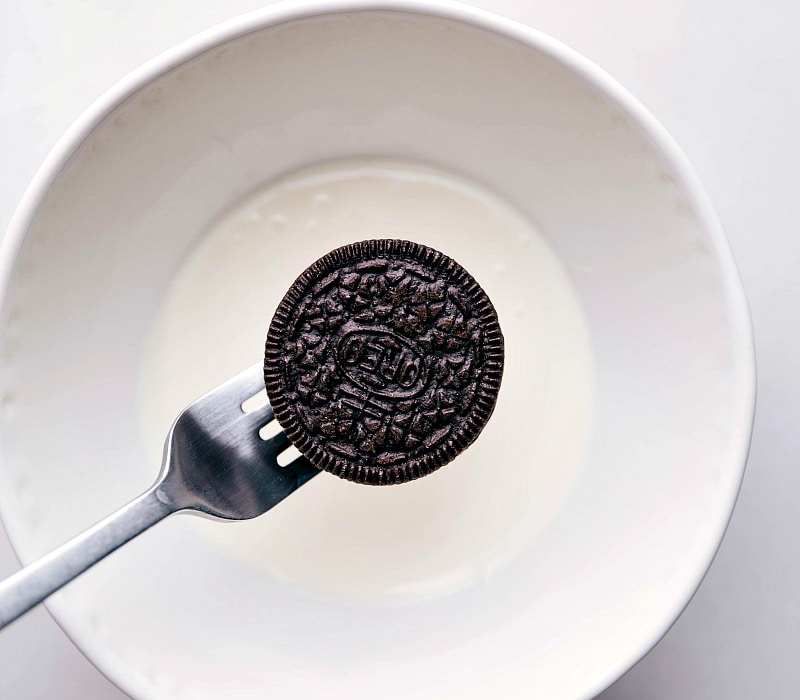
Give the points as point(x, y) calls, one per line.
point(215, 464)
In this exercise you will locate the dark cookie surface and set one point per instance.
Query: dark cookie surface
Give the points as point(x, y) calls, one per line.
point(383, 361)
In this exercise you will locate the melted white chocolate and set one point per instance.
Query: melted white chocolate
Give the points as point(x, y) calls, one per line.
point(447, 530)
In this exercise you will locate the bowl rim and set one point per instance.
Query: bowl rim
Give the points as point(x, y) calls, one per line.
point(641, 119)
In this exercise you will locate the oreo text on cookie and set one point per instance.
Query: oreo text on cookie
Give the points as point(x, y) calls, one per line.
point(383, 361)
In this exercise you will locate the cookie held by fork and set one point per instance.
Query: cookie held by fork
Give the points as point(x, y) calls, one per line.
point(383, 361)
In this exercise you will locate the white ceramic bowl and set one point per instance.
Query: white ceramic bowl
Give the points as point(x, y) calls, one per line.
point(629, 460)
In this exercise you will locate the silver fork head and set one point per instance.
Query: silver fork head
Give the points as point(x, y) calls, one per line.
point(215, 461)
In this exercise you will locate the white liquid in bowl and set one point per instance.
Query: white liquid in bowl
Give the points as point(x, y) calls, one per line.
point(439, 533)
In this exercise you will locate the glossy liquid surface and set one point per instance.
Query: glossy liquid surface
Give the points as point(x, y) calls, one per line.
point(458, 526)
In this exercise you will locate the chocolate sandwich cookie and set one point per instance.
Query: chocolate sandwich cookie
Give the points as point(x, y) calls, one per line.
point(383, 361)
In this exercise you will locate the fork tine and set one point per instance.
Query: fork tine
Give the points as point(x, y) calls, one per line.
point(277, 444)
point(239, 388)
point(257, 418)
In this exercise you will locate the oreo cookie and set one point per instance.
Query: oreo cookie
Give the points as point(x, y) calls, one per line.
point(383, 361)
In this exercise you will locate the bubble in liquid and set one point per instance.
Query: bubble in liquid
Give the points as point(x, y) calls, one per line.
point(8, 406)
point(277, 222)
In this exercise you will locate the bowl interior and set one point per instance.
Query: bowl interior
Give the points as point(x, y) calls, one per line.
point(659, 412)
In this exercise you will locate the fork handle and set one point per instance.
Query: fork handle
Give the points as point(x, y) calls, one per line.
point(31, 585)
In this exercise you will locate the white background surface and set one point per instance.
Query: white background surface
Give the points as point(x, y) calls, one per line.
point(725, 80)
